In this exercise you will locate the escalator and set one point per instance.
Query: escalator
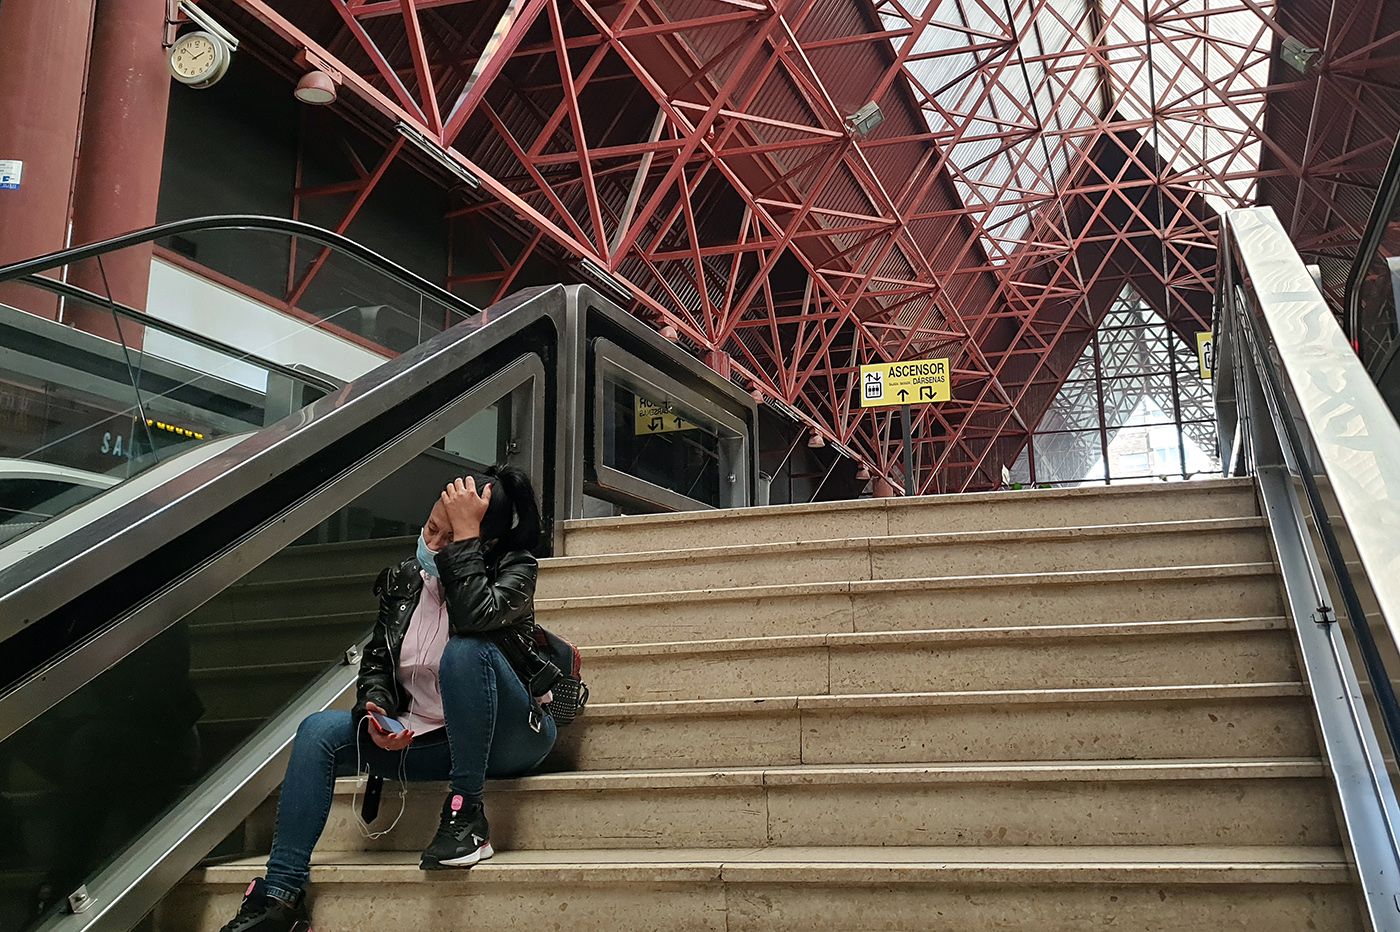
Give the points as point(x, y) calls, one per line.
point(180, 517)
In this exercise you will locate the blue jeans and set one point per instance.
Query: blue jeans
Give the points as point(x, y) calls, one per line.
point(488, 733)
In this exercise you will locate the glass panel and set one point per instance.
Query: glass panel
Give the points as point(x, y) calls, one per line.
point(81, 412)
point(1141, 404)
point(1202, 448)
point(393, 507)
point(89, 397)
point(1138, 400)
point(1084, 368)
point(323, 284)
point(1379, 324)
point(1069, 456)
point(1134, 350)
point(1021, 471)
point(1145, 451)
point(661, 443)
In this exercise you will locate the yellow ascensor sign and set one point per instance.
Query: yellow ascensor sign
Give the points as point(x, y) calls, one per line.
point(1205, 352)
point(658, 418)
point(916, 381)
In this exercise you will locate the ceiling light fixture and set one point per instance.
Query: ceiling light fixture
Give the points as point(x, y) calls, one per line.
point(865, 120)
point(816, 441)
point(438, 154)
point(316, 88)
point(1298, 56)
point(605, 280)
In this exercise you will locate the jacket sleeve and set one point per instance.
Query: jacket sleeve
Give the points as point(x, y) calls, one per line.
point(376, 681)
point(475, 601)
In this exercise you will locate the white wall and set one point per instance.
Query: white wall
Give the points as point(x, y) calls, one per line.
point(184, 298)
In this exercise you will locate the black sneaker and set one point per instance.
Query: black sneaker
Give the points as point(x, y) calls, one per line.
point(263, 913)
point(462, 837)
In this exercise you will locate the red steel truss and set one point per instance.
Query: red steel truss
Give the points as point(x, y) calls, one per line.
point(1036, 156)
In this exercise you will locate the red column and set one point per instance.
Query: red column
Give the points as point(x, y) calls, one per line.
point(41, 93)
point(120, 154)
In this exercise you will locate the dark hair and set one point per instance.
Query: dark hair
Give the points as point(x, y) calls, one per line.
point(512, 519)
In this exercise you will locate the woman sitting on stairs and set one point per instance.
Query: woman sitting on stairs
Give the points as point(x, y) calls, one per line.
point(437, 697)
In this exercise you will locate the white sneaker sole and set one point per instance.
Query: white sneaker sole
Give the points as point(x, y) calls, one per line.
point(484, 853)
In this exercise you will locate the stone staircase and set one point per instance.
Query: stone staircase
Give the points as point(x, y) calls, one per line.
point(1063, 710)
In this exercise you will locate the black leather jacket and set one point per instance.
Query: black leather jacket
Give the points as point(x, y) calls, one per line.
point(478, 597)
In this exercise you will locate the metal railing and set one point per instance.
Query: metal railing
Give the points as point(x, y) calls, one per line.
point(1298, 411)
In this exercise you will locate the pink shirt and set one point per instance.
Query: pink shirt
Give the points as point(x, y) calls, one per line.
point(419, 657)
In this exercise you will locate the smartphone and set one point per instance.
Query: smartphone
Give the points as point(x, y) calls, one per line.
point(392, 726)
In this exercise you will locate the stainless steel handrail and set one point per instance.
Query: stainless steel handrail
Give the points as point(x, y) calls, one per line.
point(1294, 401)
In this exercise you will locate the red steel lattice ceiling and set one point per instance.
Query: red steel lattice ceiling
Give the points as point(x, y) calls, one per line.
point(1035, 156)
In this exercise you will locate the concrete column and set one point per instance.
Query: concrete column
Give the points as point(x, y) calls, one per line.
point(120, 154)
point(42, 70)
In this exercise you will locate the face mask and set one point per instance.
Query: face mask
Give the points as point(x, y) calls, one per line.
point(425, 558)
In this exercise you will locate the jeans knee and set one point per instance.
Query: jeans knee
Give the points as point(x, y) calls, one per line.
point(463, 654)
point(321, 729)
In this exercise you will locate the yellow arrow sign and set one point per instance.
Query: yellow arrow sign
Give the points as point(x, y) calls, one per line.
point(658, 418)
point(917, 381)
point(1205, 352)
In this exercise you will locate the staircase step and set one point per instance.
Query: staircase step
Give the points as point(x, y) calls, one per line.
point(360, 557)
point(1230, 721)
point(1240, 650)
point(314, 597)
point(1122, 595)
point(983, 511)
point(880, 889)
point(967, 553)
point(252, 689)
point(1105, 596)
point(1266, 802)
point(300, 639)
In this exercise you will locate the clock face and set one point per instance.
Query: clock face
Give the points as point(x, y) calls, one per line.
point(194, 57)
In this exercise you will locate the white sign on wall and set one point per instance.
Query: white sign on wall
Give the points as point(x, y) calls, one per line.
point(10, 171)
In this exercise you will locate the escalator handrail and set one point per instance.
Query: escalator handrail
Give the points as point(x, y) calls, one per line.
point(255, 222)
point(1386, 194)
